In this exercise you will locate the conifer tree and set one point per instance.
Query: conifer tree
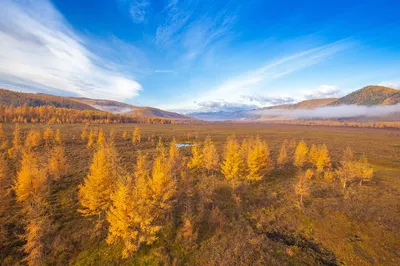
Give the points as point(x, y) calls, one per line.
point(302, 187)
point(15, 150)
point(162, 183)
point(30, 180)
point(196, 160)
point(31, 192)
point(3, 139)
point(259, 162)
point(323, 160)
point(210, 155)
point(174, 158)
point(58, 165)
point(300, 154)
point(32, 139)
point(347, 171)
point(94, 193)
point(124, 135)
point(101, 138)
point(84, 133)
point(232, 166)
point(313, 155)
point(283, 156)
point(90, 139)
point(5, 195)
point(58, 137)
point(136, 135)
point(133, 216)
point(365, 171)
point(48, 134)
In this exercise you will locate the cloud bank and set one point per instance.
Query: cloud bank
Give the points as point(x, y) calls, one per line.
point(41, 52)
point(329, 112)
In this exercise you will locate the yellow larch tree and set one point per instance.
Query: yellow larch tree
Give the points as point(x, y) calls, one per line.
point(133, 216)
point(94, 193)
point(15, 150)
point(3, 139)
point(174, 158)
point(136, 135)
point(5, 195)
point(323, 159)
point(33, 139)
point(283, 155)
point(364, 169)
point(48, 134)
point(162, 183)
point(90, 138)
point(313, 154)
point(347, 171)
point(259, 162)
point(30, 180)
point(58, 164)
point(124, 135)
point(300, 154)
point(196, 159)
point(101, 139)
point(302, 187)
point(58, 138)
point(232, 165)
point(31, 192)
point(210, 155)
point(84, 133)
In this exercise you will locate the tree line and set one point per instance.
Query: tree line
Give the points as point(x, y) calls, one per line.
point(56, 115)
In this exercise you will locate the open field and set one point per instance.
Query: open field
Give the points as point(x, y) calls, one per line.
point(266, 226)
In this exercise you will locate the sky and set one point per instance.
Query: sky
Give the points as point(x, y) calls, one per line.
point(199, 55)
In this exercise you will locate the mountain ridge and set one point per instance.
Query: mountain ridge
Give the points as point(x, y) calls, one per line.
point(9, 97)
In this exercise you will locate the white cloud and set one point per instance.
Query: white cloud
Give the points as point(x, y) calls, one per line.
point(138, 10)
point(324, 91)
point(391, 84)
point(40, 50)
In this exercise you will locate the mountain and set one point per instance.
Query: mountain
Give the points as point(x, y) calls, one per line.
point(127, 109)
point(307, 104)
point(370, 95)
point(8, 97)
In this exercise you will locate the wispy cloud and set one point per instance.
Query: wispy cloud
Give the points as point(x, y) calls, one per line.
point(253, 82)
point(251, 87)
point(138, 9)
point(324, 91)
point(268, 100)
point(178, 14)
point(192, 30)
point(391, 84)
point(221, 105)
point(40, 50)
point(164, 71)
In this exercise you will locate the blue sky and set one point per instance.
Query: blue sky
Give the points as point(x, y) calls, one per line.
point(199, 55)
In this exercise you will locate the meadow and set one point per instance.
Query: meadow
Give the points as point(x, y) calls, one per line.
point(210, 223)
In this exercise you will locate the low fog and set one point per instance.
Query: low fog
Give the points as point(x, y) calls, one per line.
point(329, 112)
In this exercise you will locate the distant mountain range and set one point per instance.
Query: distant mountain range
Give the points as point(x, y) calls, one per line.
point(8, 97)
point(367, 96)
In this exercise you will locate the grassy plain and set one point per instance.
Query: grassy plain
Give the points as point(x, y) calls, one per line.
point(360, 227)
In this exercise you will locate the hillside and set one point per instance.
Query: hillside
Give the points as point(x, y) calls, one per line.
point(8, 97)
point(307, 104)
point(127, 109)
point(370, 95)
